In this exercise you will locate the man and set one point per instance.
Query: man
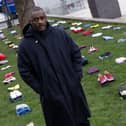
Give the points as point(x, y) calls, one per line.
point(50, 63)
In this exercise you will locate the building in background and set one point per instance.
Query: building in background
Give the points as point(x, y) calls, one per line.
point(122, 4)
point(60, 6)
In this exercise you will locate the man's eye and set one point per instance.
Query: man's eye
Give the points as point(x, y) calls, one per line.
point(36, 19)
point(41, 18)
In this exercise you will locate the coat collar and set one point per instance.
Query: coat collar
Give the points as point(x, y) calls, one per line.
point(28, 31)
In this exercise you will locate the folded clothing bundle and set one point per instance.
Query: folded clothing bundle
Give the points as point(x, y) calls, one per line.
point(15, 95)
point(22, 109)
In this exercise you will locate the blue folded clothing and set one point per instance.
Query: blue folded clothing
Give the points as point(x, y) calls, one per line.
point(117, 28)
point(84, 60)
point(121, 40)
point(87, 25)
point(107, 37)
point(105, 55)
point(22, 109)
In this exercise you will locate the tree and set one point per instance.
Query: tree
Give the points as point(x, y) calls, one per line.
point(23, 8)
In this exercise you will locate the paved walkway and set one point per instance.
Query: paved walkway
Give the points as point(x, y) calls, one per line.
point(86, 14)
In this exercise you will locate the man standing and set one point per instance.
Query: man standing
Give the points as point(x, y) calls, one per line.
point(50, 63)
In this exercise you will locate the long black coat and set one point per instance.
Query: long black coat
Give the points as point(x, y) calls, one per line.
point(50, 63)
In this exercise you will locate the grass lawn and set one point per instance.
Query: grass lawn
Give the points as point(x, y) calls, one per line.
point(107, 108)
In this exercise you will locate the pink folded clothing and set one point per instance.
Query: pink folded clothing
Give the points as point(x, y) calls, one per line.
point(9, 74)
point(92, 70)
point(92, 49)
point(103, 79)
point(120, 60)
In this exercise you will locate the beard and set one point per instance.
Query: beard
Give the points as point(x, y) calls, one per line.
point(39, 27)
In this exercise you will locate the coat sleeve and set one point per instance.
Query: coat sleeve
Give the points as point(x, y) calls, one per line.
point(25, 70)
point(75, 56)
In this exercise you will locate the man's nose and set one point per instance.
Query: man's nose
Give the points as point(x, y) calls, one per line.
point(40, 20)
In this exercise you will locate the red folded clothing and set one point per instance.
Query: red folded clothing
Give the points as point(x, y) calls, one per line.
point(87, 32)
point(2, 56)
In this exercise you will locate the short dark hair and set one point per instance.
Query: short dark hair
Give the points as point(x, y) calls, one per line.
point(37, 8)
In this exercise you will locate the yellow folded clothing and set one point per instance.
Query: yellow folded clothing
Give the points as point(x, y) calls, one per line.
point(17, 86)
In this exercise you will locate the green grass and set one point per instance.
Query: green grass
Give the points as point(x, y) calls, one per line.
point(106, 106)
point(8, 116)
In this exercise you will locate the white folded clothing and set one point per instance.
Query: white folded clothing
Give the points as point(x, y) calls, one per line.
point(123, 92)
point(120, 60)
point(61, 22)
point(54, 25)
point(9, 79)
point(6, 67)
point(2, 62)
point(13, 32)
point(30, 124)
point(72, 28)
point(15, 94)
point(106, 27)
point(97, 34)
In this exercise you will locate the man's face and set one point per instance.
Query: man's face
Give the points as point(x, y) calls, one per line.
point(39, 20)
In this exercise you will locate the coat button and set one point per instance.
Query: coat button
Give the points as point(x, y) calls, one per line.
point(36, 41)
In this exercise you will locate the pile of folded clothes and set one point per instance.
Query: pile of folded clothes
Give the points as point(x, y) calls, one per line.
point(105, 78)
point(15, 95)
point(8, 77)
point(22, 109)
point(122, 90)
point(3, 59)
